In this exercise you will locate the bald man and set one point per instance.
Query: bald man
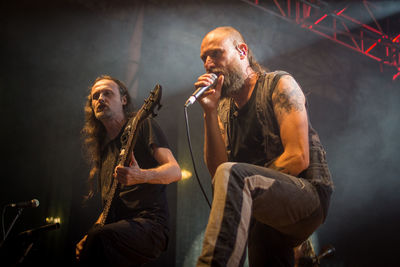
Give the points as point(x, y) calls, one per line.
point(271, 182)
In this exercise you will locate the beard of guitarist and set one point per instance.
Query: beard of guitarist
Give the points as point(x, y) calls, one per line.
point(135, 229)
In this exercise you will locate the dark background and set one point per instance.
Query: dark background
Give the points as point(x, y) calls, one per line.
point(51, 52)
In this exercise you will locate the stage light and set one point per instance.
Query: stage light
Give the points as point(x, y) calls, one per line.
point(186, 174)
point(53, 220)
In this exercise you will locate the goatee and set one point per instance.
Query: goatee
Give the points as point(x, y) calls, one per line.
point(233, 80)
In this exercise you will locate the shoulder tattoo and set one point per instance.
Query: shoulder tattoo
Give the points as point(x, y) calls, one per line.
point(288, 97)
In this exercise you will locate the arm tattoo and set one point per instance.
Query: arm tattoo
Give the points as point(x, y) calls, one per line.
point(288, 98)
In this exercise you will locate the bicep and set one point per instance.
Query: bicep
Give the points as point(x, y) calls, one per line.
point(163, 155)
point(289, 107)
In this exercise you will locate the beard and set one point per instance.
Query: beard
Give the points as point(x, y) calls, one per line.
point(233, 80)
point(103, 114)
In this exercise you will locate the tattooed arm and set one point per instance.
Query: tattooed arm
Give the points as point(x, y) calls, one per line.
point(289, 107)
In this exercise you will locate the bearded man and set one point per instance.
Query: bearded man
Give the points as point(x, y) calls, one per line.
point(136, 228)
point(271, 182)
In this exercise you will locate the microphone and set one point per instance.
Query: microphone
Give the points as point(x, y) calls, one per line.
point(34, 203)
point(39, 230)
point(200, 91)
point(327, 252)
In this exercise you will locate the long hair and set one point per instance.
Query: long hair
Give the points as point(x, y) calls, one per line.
point(94, 133)
point(254, 64)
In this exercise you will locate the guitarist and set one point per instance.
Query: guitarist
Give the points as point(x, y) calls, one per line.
point(136, 227)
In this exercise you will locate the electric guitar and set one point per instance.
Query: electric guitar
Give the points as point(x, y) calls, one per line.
point(128, 140)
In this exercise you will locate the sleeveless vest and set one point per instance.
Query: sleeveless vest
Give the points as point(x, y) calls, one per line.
point(317, 172)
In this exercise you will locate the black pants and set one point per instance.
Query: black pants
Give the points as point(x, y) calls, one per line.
point(124, 243)
point(268, 247)
point(270, 211)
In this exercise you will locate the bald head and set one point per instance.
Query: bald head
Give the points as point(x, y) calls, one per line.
point(224, 52)
point(227, 33)
point(222, 46)
point(231, 38)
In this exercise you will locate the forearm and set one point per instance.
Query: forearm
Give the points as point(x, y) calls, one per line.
point(290, 163)
point(164, 174)
point(295, 157)
point(214, 146)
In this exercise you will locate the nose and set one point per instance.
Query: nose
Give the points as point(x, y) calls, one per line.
point(208, 63)
point(101, 98)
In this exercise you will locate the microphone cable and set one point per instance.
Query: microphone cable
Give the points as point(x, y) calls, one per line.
point(191, 154)
point(3, 221)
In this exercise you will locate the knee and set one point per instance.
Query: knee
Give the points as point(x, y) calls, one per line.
point(224, 167)
point(223, 171)
point(227, 169)
point(229, 173)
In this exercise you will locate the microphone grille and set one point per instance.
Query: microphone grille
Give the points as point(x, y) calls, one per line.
point(35, 203)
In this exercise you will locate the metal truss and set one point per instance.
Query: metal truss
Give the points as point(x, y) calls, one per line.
point(339, 23)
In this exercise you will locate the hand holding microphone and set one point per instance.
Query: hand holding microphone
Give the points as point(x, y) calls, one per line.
point(208, 78)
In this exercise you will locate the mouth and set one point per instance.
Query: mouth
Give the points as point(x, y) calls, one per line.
point(100, 108)
point(216, 71)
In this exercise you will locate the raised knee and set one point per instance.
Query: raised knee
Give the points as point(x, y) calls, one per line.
point(224, 168)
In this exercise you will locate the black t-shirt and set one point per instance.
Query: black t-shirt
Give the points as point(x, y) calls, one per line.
point(142, 200)
point(245, 133)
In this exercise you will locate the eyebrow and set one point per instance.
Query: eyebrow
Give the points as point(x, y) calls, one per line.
point(205, 54)
point(102, 90)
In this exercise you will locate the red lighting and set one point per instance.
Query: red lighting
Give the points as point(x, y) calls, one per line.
point(318, 21)
point(341, 11)
point(396, 75)
point(280, 8)
point(369, 49)
point(362, 24)
point(337, 29)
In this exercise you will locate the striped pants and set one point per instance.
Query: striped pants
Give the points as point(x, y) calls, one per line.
point(248, 198)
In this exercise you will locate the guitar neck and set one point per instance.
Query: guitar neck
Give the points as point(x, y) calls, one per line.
point(127, 147)
point(128, 141)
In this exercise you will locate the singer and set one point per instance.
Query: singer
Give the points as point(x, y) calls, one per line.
point(136, 230)
point(271, 181)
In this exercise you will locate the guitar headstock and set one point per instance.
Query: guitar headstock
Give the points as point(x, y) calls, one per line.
point(151, 103)
point(147, 109)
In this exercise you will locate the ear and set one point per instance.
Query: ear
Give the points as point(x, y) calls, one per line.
point(124, 100)
point(243, 50)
